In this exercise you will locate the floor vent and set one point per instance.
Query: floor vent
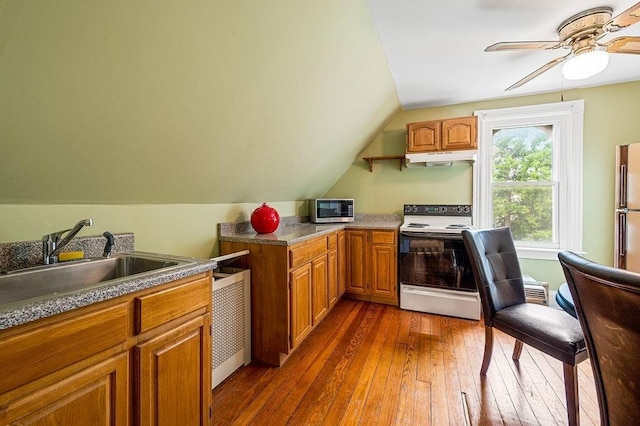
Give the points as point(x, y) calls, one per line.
point(536, 291)
point(231, 322)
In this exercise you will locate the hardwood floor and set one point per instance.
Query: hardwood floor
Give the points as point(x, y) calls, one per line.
point(375, 364)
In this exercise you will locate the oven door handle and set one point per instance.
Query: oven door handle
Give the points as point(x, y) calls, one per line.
point(462, 295)
point(420, 292)
point(430, 236)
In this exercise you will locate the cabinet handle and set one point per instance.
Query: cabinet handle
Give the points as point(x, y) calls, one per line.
point(622, 196)
point(622, 233)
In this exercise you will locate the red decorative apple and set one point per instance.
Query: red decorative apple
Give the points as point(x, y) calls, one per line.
point(265, 219)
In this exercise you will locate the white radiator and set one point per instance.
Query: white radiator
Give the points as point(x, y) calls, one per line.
point(231, 322)
point(535, 291)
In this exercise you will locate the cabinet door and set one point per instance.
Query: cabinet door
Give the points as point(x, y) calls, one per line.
point(384, 271)
point(300, 303)
point(357, 262)
point(320, 284)
point(97, 395)
point(423, 136)
point(342, 263)
point(459, 133)
point(175, 376)
point(332, 277)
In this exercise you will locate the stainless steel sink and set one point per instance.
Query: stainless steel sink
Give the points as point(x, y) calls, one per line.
point(35, 283)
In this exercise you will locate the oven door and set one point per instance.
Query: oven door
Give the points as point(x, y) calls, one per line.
point(435, 260)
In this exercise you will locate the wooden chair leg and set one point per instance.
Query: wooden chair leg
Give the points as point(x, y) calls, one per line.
point(488, 349)
point(517, 350)
point(571, 393)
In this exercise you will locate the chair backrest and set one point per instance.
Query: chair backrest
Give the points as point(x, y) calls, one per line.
point(496, 269)
point(607, 302)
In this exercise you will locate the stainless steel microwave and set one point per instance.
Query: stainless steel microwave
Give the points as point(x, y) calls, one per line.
point(331, 210)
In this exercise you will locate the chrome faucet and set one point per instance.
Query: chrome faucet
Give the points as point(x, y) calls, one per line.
point(52, 246)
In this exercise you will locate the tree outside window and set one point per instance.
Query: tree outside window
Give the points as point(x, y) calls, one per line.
point(523, 188)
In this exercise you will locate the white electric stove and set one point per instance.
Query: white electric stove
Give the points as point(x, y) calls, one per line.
point(434, 270)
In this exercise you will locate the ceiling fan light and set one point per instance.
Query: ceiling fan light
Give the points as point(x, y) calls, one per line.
point(585, 65)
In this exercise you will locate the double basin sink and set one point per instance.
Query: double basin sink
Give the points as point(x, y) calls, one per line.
point(38, 282)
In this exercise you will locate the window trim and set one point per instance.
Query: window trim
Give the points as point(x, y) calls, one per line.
point(567, 119)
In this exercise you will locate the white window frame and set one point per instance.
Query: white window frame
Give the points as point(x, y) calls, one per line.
point(567, 119)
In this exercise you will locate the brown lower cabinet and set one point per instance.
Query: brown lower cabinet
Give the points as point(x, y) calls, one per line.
point(143, 358)
point(372, 265)
point(293, 288)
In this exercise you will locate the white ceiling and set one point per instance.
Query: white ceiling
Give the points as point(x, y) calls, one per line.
point(435, 49)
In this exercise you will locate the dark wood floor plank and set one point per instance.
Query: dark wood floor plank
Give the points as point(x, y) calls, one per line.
point(371, 364)
point(321, 394)
point(519, 406)
point(490, 412)
point(466, 372)
point(276, 401)
point(551, 371)
point(491, 386)
point(549, 383)
point(423, 369)
point(356, 383)
point(528, 399)
point(422, 408)
point(452, 378)
point(238, 393)
point(406, 400)
point(356, 402)
point(378, 390)
point(439, 402)
point(389, 402)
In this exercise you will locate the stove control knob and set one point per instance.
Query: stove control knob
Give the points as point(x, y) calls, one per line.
point(415, 209)
point(466, 209)
point(443, 209)
point(459, 209)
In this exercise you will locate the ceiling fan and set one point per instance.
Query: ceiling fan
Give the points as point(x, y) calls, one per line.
point(581, 33)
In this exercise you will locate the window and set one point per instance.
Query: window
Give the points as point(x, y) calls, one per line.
point(529, 176)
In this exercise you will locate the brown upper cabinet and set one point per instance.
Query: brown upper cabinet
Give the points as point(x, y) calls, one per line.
point(442, 135)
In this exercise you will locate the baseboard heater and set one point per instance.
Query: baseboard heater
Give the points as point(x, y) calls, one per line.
point(231, 319)
point(535, 291)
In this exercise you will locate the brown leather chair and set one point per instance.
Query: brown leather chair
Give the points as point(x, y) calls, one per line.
point(607, 301)
point(497, 273)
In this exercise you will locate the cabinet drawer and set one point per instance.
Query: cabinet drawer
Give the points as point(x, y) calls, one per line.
point(158, 308)
point(33, 354)
point(383, 237)
point(307, 251)
point(332, 241)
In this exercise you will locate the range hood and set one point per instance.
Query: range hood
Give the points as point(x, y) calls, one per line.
point(442, 158)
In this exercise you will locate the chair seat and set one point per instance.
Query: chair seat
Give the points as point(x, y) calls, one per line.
point(549, 330)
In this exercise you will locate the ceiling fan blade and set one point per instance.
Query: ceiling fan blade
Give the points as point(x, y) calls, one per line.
point(546, 67)
point(624, 45)
point(623, 20)
point(514, 45)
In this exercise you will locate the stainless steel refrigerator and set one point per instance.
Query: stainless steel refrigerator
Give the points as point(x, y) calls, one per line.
point(627, 219)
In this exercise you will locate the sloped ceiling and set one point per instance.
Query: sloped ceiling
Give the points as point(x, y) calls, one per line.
point(436, 51)
point(162, 101)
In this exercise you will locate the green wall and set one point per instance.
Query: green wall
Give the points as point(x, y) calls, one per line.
point(611, 118)
point(179, 229)
point(191, 101)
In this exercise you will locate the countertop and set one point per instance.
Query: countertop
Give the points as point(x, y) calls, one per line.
point(46, 306)
point(293, 233)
